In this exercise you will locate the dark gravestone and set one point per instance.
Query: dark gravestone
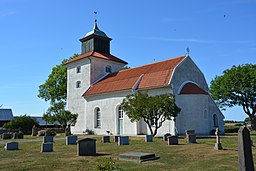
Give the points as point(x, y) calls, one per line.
point(148, 138)
point(11, 146)
point(123, 140)
point(17, 135)
point(173, 140)
point(190, 136)
point(47, 138)
point(105, 139)
point(71, 140)
point(47, 147)
point(165, 137)
point(6, 136)
point(116, 138)
point(245, 159)
point(86, 147)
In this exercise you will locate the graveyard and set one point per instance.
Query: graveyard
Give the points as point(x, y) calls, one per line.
point(193, 156)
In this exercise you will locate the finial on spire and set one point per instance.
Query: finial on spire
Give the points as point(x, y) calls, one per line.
point(187, 54)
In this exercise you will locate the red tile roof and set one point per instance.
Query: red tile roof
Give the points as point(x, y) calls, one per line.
point(97, 55)
point(152, 75)
point(191, 88)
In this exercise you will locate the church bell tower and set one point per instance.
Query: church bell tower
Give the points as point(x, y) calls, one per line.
point(96, 40)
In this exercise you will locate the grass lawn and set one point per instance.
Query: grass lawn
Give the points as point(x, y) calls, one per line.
point(200, 156)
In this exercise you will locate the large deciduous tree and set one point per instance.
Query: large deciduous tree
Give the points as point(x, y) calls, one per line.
point(55, 90)
point(237, 87)
point(154, 110)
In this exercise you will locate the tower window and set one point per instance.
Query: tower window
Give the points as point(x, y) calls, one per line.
point(108, 69)
point(78, 84)
point(97, 117)
point(78, 69)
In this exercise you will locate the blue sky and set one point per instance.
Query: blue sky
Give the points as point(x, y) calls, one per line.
point(37, 35)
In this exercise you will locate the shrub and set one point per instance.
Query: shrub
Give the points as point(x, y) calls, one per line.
point(89, 132)
point(231, 129)
point(107, 164)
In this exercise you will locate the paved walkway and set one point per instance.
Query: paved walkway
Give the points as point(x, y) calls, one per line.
point(28, 140)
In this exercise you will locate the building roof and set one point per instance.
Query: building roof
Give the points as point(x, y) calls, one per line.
point(6, 114)
point(97, 55)
point(146, 76)
point(96, 31)
point(43, 122)
point(191, 88)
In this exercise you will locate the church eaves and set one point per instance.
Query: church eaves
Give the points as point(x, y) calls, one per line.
point(154, 75)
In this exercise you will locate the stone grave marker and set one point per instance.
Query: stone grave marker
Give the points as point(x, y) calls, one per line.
point(86, 147)
point(47, 147)
point(47, 138)
point(245, 159)
point(105, 139)
point(148, 138)
point(137, 156)
point(173, 140)
point(6, 136)
point(71, 140)
point(17, 135)
point(165, 137)
point(217, 144)
point(123, 140)
point(11, 146)
point(116, 138)
point(190, 136)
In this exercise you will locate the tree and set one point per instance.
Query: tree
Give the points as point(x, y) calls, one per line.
point(24, 123)
point(153, 109)
point(237, 87)
point(55, 90)
point(55, 87)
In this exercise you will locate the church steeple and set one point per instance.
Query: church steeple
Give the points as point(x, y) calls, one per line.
point(96, 40)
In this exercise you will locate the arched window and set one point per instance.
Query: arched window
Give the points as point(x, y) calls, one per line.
point(97, 117)
point(215, 120)
point(78, 84)
point(120, 113)
point(108, 69)
point(78, 69)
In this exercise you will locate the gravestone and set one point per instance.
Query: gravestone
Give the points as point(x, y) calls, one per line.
point(86, 147)
point(148, 138)
point(190, 136)
point(245, 159)
point(17, 135)
point(217, 144)
point(71, 140)
point(11, 146)
point(116, 138)
point(6, 136)
point(47, 147)
point(123, 140)
point(47, 139)
point(173, 140)
point(137, 156)
point(105, 139)
point(165, 137)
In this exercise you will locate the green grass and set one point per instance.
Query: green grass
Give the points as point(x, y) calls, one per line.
point(200, 156)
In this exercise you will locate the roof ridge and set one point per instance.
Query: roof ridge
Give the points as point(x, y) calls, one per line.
point(152, 63)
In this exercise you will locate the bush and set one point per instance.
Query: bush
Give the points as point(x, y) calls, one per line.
point(107, 164)
point(23, 123)
point(231, 129)
point(89, 132)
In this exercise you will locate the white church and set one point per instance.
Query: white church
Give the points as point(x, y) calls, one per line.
point(97, 83)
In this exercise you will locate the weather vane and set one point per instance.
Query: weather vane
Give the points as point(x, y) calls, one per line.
point(95, 15)
point(188, 51)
